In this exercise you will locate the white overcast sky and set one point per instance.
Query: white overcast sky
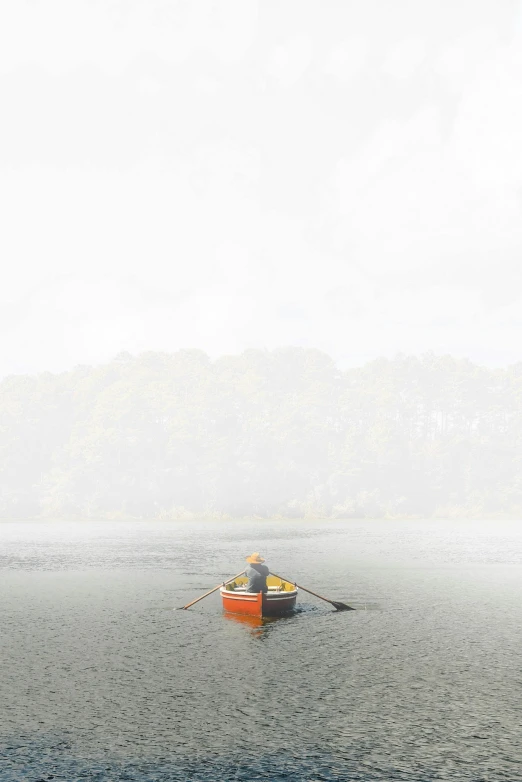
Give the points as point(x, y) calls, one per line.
point(223, 175)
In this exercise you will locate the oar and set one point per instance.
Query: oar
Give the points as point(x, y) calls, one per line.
point(182, 608)
point(336, 604)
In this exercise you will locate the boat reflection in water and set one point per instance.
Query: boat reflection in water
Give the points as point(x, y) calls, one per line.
point(257, 625)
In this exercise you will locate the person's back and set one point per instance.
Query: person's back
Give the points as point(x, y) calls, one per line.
point(256, 573)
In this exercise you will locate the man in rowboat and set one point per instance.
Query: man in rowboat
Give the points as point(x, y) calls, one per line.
point(256, 573)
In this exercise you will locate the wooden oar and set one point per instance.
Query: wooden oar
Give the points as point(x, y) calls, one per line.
point(336, 604)
point(182, 608)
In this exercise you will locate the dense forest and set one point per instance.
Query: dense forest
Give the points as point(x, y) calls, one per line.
point(267, 434)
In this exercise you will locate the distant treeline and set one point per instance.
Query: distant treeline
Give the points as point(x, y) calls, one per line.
point(268, 434)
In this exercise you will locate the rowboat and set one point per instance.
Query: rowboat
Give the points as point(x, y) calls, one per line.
point(280, 598)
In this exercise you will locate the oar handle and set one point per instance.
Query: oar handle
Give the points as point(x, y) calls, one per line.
point(212, 590)
point(303, 588)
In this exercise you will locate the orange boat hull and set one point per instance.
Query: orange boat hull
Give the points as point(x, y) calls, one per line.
point(258, 604)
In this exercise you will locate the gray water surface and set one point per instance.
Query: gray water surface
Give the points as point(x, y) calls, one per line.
point(101, 679)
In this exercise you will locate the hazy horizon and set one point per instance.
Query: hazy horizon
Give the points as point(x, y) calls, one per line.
point(269, 434)
point(216, 358)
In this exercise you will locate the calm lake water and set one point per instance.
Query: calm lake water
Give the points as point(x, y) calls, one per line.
point(101, 679)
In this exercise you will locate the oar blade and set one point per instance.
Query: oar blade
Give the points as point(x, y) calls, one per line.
point(341, 606)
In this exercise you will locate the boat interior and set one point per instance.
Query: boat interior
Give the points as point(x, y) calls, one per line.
point(273, 583)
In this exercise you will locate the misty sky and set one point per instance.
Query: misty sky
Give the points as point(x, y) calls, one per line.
point(223, 175)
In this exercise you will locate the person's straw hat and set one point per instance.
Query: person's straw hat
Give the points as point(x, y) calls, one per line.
point(255, 558)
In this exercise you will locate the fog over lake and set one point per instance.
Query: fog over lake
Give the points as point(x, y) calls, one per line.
point(265, 434)
point(261, 292)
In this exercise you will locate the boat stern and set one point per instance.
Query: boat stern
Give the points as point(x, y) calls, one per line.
point(280, 598)
point(248, 603)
